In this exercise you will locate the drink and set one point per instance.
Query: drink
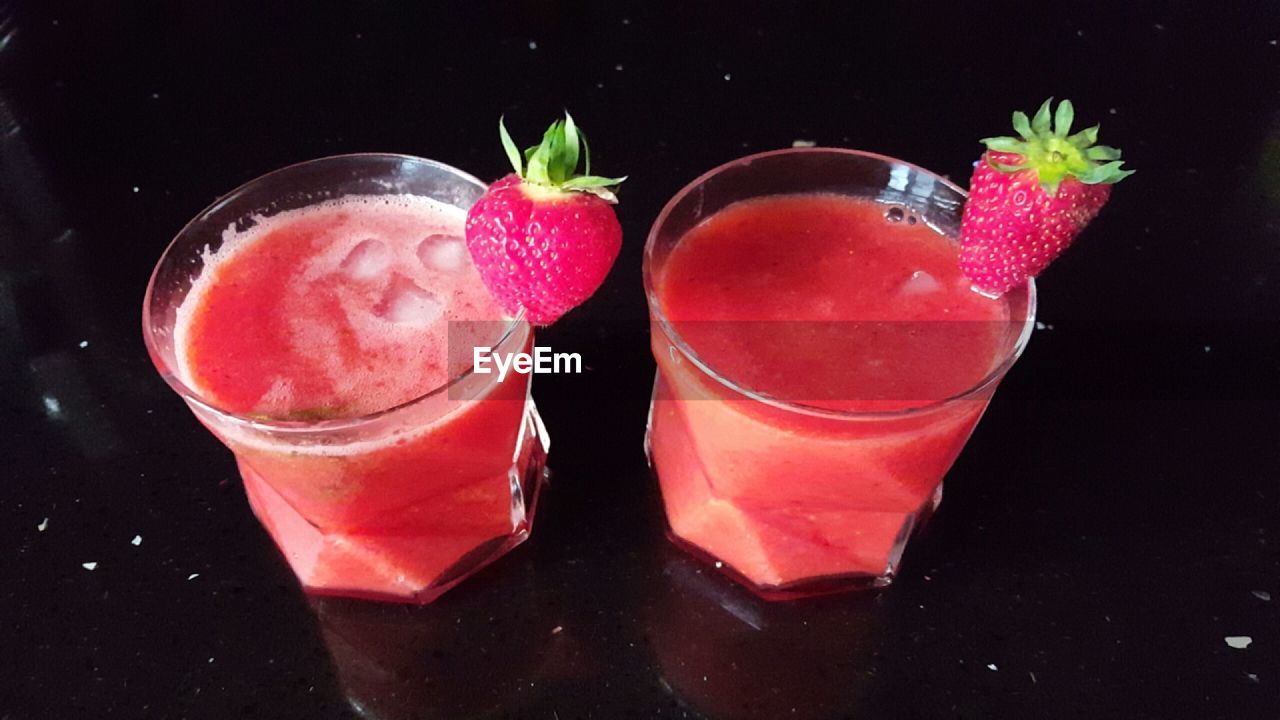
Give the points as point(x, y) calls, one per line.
point(821, 363)
point(352, 300)
point(312, 339)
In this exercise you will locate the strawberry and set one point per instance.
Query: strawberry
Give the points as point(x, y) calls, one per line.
point(1030, 197)
point(545, 237)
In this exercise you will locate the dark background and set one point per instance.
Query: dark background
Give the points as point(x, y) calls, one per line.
point(1114, 518)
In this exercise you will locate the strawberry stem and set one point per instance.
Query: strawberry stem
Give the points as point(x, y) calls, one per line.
point(554, 162)
point(1048, 150)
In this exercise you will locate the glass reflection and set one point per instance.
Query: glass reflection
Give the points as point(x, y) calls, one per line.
point(476, 653)
point(729, 655)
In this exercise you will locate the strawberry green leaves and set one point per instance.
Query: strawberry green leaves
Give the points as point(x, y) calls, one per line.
point(509, 145)
point(1040, 123)
point(553, 163)
point(1021, 124)
point(1047, 149)
point(1062, 118)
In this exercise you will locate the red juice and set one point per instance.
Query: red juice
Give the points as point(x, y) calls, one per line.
point(341, 311)
point(841, 325)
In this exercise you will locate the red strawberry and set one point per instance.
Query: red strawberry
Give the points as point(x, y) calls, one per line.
point(1029, 198)
point(545, 237)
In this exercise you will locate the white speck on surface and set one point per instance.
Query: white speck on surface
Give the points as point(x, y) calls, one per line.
point(1158, 26)
point(992, 667)
point(1079, 33)
point(533, 44)
point(719, 564)
point(84, 344)
point(1033, 678)
point(1252, 677)
point(155, 96)
point(727, 77)
point(626, 21)
point(618, 67)
point(803, 143)
point(136, 541)
point(1112, 111)
point(135, 188)
point(1041, 326)
point(557, 630)
point(52, 406)
point(1274, 42)
point(193, 576)
point(600, 85)
point(89, 566)
point(44, 525)
point(1239, 642)
point(1207, 348)
point(1262, 595)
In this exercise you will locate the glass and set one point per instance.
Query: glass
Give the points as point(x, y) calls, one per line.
point(726, 455)
point(400, 504)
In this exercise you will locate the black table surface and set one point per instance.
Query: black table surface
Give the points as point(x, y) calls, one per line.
point(1113, 521)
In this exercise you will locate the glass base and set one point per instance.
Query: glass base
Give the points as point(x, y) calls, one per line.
point(818, 585)
point(781, 548)
point(413, 564)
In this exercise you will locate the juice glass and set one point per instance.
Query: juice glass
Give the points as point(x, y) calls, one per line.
point(798, 494)
point(400, 504)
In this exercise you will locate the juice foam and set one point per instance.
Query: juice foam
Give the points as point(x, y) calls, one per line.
point(338, 309)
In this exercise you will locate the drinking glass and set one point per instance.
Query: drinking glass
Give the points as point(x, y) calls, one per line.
point(400, 504)
point(789, 495)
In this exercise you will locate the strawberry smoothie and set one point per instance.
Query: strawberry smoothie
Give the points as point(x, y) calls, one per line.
point(315, 344)
point(818, 356)
point(336, 310)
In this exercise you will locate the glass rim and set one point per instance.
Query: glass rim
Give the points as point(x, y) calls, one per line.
point(1002, 367)
point(190, 394)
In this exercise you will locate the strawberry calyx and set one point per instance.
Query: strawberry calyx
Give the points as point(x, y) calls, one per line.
point(553, 163)
point(1048, 150)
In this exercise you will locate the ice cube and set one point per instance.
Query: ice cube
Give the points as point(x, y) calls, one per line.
point(407, 304)
point(368, 260)
point(442, 252)
point(920, 283)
